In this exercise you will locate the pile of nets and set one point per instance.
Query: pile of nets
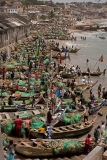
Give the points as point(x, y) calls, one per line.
point(7, 127)
point(36, 123)
point(67, 145)
point(71, 118)
point(4, 139)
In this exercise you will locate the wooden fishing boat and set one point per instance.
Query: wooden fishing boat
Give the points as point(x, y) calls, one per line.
point(91, 73)
point(50, 148)
point(96, 107)
point(74, 50)
point(81, 88)
point(8, 108)
point(67, 131)
point(68, 75)
point(55, 49)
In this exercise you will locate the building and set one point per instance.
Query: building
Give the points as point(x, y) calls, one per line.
point(11, 26)
point(13, 10)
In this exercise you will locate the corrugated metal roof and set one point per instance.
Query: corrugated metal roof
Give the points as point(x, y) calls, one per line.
point(4, 27)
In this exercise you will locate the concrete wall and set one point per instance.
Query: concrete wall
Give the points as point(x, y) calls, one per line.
point(96, 154)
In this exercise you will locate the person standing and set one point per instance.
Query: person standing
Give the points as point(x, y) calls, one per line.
point(18, 123)
point(88, 144)
point(103, 128)
point(96, 133)
point(10, 151)
point(49, 117)
point(27, 126)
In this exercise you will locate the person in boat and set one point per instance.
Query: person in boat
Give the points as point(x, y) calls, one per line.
point(97, 133)
point(82, 100)
point(10, 150)
point(104, 72)
point(27, 126)
point(10, 101)
point(87, 60)
point(54, 64)
point(12, 75)
point(88, 144)
point(88, 70)
point(49, 117)
point(98, 69)
point(18, 123)
point(33, 101)
point(92, 98)
point(68, 83)
point(48, 132)
point(72, 85)
point(77, 67)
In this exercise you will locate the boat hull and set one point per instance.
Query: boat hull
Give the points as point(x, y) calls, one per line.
point(92, 73)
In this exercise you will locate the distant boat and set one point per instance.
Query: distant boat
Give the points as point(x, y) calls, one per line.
point(102, 37)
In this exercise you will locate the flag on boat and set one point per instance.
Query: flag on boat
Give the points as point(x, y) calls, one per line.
point(57, 93)
point(101, 59)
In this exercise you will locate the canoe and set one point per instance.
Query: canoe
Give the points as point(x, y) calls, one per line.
point(8, 108)
point(50, 148)
point(92, 73)
point(65, 75)
point(97, 107)
point(22, 107)
point(67, 131)
point(74, 50)
point(55, 49)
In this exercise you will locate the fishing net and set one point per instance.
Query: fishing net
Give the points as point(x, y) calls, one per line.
point(4, 94)
point(7, 127)
point(66, 145)
point(4, 139)
point(71, 118)
point(25, 114)
point(23, 129)
point(36, 123)
point(25, 94)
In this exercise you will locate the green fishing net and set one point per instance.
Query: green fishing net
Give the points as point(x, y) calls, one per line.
point(66, 145)
point(71, 119)
point(71, 144)
point(25, 94)
point(4, 94)
point(4, 139)
point(23, 129)
point(7, 127)
point(36, 123)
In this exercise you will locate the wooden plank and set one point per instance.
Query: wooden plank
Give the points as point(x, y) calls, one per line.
point(26, 144)
point(35, 112)
point(7, 116)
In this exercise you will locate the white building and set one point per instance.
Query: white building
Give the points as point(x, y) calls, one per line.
point(13, 10)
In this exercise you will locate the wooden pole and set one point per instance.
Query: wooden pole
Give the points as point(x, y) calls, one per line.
point(95, 65)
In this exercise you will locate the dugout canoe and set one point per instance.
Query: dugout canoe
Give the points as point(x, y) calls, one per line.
point(91, 73)
point(96, 107)
point(67, 75)
point(67, 131)
point(55, 49)
point(74, 50)
point(50, 148)
point(8, 108)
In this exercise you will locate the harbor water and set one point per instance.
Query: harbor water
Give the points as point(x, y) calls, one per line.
point(92, 48)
